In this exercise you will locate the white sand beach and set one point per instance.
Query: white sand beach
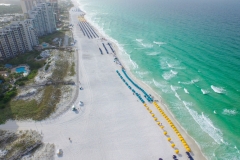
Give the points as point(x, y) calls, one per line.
point(113, 123)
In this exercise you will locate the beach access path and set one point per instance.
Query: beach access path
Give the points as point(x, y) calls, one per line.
point(112, 124)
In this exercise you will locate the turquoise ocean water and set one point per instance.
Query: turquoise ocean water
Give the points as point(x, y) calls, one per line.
point(189, 52)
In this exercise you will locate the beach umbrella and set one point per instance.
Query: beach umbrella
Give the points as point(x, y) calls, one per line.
point(158, 123)
point(176, 151)
point(173, 145)
point(169, 139)
point(150, 111)
point(155, 119)
point(153, 115)
point(162, 127)
point(185, 144)
point(165, 133)
point(188, 149)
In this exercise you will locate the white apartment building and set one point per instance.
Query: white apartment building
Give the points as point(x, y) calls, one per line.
point(17, 38)
point(43, 18)
point(22, 36)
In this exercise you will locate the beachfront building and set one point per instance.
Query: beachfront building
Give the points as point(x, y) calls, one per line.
point(21, 36)
point(43, 18)
point(30, 5)
point(17, 38)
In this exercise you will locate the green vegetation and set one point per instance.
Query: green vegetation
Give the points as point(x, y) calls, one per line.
point(26, 58)
point(32, 109)
point(47, 66)
point(6, 90)
point(49, 38)
point(21, 109)
point(72, 69)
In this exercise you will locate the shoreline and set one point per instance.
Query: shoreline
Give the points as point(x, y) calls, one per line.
point(112, 123)
point(162, 103)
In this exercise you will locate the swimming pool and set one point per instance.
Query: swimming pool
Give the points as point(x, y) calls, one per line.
point(21, 70)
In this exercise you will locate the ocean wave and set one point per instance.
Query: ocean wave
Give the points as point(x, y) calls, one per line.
point(153, 53)
point(204, 91)
point(186, 91)
point(178, 97)
point(230, 112)
point(169, 75)
point(163, 86)
point(218, 89)
point(159, 43)
point(206, 124)
point(139, 40)
point(189, 82)
point(141, 73)
point(174, 88)
point(166, 63)
point(148, 82)
point(145, 45)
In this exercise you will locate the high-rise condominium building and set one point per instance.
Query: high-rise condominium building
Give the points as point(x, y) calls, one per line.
point(17, 38)
point(43, 18)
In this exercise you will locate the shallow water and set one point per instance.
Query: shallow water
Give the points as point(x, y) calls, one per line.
point(189, 53)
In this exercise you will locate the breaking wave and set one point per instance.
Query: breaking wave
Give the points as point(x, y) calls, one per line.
point(206, 124)
point(218, 89)
point(153, 53)
point(159, 43)
point(169, 75)
point(186, 91)
point(145, 45)
point(204, 91)
point(190, 82)
point(230, 112)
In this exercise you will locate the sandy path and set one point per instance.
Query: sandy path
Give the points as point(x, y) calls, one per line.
point(113, 123)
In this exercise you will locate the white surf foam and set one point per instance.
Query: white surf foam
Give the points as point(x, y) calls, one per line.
point(189, 82)
point(218, 89)
point(142, 72)
point(139, 40)
point(169, 74)
point(206, 124)
point(230, 112)
point(174, 88)
point(186, 91)
point(159, 43)
point(176, 95)
point(204, 91)
point(163, 86)
point(167, 62)
point(153, 53)
point(145, 45)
